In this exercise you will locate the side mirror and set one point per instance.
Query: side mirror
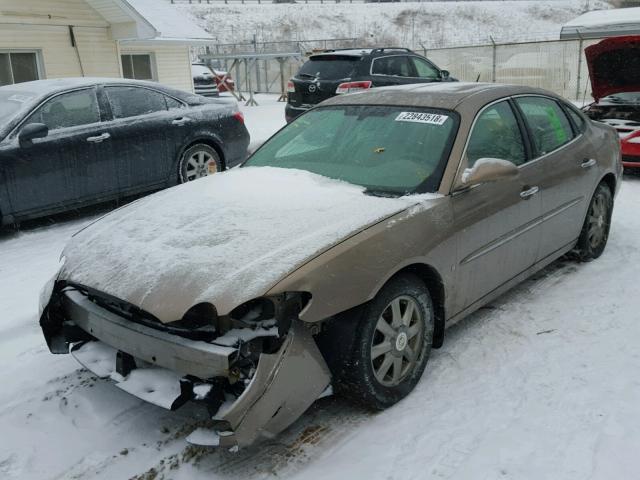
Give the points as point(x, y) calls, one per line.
point(444, 74)
point(33, 130)
point(489, 170)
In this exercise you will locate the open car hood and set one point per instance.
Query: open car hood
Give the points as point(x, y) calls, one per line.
point(614, 66)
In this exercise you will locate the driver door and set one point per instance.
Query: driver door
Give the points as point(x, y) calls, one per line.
point(67, 166)
point(498, 222)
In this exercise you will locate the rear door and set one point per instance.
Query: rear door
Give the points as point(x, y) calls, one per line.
point(70, 165)
point(393, 70)
point(564, 156)
point(500, 234)
point(142, 135)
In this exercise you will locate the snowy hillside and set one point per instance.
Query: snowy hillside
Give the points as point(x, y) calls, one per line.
point(428, 24)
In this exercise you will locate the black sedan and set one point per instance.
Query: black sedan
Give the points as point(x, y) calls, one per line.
point(69, 143)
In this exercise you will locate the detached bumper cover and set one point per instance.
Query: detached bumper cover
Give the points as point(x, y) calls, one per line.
point(168, 370)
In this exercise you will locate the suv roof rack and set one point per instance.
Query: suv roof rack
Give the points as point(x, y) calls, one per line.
point(382, 49)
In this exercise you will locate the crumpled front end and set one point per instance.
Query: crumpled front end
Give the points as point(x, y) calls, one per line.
point(255, 375)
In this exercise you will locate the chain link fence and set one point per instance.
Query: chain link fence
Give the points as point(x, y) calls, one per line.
point(558, 66)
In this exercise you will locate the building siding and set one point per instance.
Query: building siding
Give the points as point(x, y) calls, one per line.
point(43, 25)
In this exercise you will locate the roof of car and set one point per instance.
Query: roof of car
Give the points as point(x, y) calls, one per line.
point(446, 95)
point(58, 84)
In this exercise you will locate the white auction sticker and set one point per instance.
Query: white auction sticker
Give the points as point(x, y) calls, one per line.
point(419, 117)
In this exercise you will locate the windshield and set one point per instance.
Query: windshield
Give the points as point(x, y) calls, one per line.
point(393, 150)
point(329, 67)
point(11, 102)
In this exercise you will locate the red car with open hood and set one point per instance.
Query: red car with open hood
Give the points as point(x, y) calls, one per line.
point(614, 70)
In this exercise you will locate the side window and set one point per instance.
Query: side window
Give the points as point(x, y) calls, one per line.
point(173, 103)
point(578, 119)
point(68, 110)
point(424, 69)
point(133, 101)
point(396, 66)
point(550, 127)
point(496, 134)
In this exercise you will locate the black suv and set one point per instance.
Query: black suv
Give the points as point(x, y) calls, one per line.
point(333, 72)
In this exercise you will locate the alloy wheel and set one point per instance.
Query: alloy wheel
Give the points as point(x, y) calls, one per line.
point(397, 342)
point(200, 164)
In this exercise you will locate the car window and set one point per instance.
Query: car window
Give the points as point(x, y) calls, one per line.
point(395, 66)
point(68, 110)
point(550, 127)
point(329, 67)
point(424, 69)
point(132, 101)
point(578, 119)
point(173, 103)
point(496, 134)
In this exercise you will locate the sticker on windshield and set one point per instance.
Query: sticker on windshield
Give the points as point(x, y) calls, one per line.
point(20, 98)
point(418, 117)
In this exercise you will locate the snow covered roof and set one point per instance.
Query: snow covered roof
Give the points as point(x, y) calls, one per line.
point(603, 23)
point(169, 22)
point(149, 20)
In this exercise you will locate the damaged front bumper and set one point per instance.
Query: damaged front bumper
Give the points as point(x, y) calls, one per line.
point(169, 370)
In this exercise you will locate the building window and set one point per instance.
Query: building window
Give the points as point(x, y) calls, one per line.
point(138, 66)
point(17, 67)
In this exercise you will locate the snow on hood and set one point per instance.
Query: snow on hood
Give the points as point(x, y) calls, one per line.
point(614, 66)
point(224, 239)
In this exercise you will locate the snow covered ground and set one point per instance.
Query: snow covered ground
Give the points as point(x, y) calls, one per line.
point(415, 25)
point(542, 384)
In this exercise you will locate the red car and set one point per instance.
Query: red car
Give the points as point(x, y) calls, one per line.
point(614, 69)
point(224, 81)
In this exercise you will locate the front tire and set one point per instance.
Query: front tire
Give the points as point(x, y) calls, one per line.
point(198, 161)
point(595, 230)
point(392, 344)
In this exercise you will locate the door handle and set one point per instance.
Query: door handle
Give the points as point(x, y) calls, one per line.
point(528, 193)
point(98, 138)
point(180, 121)
point(588, 163)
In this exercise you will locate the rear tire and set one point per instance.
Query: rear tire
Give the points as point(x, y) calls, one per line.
point(198, 161)
point(391, 346)
point(595, 230)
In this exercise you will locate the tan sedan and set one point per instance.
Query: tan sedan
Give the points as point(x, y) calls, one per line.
point(336, 256)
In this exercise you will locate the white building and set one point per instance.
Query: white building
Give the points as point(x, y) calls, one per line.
point(143, 39)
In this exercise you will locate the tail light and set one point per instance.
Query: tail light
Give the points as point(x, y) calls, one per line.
point(291, 88)
point(351, 87)
point(239, 116)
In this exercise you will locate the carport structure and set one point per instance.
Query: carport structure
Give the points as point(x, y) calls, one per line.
point(251, 70)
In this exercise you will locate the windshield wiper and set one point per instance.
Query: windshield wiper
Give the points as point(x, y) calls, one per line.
point(307, 75)
point(382, 193)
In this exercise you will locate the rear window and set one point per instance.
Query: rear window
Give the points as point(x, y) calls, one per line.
point(329, 67)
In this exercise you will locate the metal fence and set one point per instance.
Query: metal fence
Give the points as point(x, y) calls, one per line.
point(558, 66)
point(265, 75)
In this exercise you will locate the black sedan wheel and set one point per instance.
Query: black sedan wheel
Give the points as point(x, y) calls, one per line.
point(392, 345)
point(199, 161)
point(595, 231)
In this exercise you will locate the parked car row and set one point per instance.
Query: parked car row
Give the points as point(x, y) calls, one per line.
point(260, 294)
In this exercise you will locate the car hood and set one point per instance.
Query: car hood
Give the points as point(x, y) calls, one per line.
point(614, 66)
point(224, 239)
